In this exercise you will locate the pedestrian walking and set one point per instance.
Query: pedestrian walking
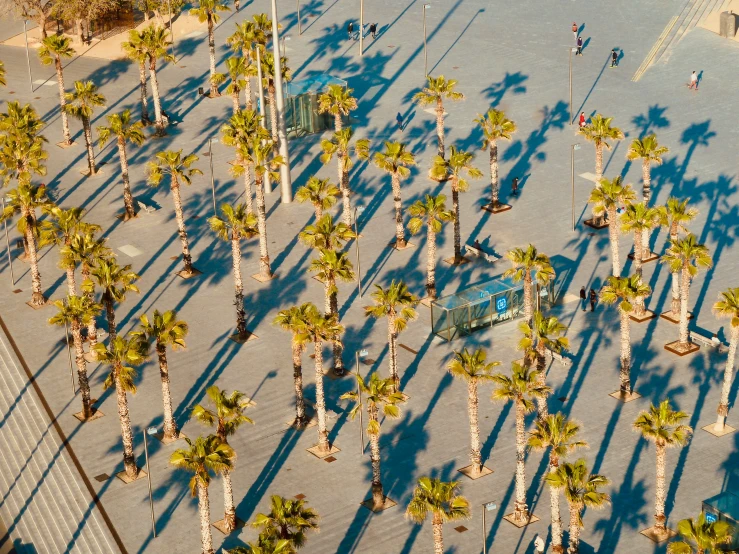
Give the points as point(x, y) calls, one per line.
point(614, 58)
point(693, 81)
point(350, 29)
point(399, 120)
point(582, 120)
point(583, 298)
point(579, 46)
point(593, 299)
point(514, 187)
point(574, 29)
point(538, 545)
point(373, 30)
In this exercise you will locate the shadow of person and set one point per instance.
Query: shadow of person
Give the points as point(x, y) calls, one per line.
point(585, 44)
point(700, 77)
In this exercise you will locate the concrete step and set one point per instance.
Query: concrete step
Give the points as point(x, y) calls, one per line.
point(45, 504)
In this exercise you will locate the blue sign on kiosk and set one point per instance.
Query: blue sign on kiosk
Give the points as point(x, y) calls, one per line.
point(501, 304)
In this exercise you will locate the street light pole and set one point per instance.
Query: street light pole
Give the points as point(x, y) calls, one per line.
point(28, 57)
point(361, 27)
point(571, 51)
point(7, 246)
point(69, 355)
point(358, 210)
point(212, 179)
point(575, 146)
point(425, 51)
point(171, 33)
point(286, 193)
point(150, 431)
point(487, 506)
point(300, 28)
point(284, 46)
point(357, 354)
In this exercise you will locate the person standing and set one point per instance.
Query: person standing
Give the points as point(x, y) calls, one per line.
point(538, 545)
point(593, 299)
point(373, 30)
point(579, 46)
point(583, 298)
point(574, 29)
point(694, 81)
point(582, 120)
point(514, 187)
point(614, 58)
point(350, 29)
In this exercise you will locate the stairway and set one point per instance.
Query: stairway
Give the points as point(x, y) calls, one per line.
point(43, 503)
point(691, 14)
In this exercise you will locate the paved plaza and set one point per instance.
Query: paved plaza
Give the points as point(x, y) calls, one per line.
point(508, 55)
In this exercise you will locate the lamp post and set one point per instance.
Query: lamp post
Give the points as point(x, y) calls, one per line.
point(360, 354)
point(284, 48)
point(361, 27)
point(425, 51)
point(212, 179)
point(575, 146)
point(300, 28)
point(262, 119)
point(286, 192)
point(571, 49)
point(69, 354)
point(486, 507)
point(28, 57)
point(150, 431)
point(7, 246)
point(358, 210)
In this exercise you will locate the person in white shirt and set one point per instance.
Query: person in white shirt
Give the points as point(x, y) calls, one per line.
point(694, 81)
point(539, 545)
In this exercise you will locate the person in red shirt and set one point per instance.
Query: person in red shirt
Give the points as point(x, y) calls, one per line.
point(574, 29)
point(582, 120)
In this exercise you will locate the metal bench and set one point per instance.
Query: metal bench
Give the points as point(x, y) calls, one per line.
point(145, 207)
point(566, 362)
point(473, 251)
point(709, 342)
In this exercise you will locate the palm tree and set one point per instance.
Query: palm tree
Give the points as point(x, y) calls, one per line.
point(22, 152)
point(122, 355)
point(337, 101)
point(396, 160)
point(202, 457)
point(135, 51)
point(383, 398)
point(607, 196)
point(268, 71)
point(207, 11)
point(227, 416)
point(24, 200)
point(443, 501)
point(321, 193)
point(319, 329)
point(237, 69)
point(121, 127)
point(165, 330)
point(639, 219)
point(330, 266)
point(625, 291)
point(708, 536)
point(289, 521)
point(3, 82)
point(663, 425)
point(431, 211)
point(326, 234)
point(395, 303)
point(53, 49)
point(173, 164)
point(686, 255)
point(82, 103)
point(292, 320)
point(495, 126)
point(541, 336)
point(264, 546)
point(238, 133)
point(59, 229)
point(340, 144)
point(521, 387)
point(528, 265)
point(459, 164)
point(600, 132)
point(245, 40)
point(115, 281)
point(678, 214)
point(76, 312)
point(433, 94)
point(472, 368)
point(559, 435)
point(581, 491)
point(156, 45)
point(727, 307)
point(235, 225)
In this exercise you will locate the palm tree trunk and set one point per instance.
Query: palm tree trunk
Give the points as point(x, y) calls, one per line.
point(338, 124)
point(323, 445)
point(528, 298)
point(346, 196)
point(170, 427)
point(431, 262)
point(646, 174)
point(723, 407)
point(598, 164)
point(129, 461)
point(236, 101)
point(142, 88)
point(639, 307)
point(438, 535)
point(271, 93)
point(229, 517)
point(613, 233)
point(542, 408)
point(247, 185)
point(574, 547)
point(378, 498)
point(520, 510)
point(247, 93)
point(625, 373)
point(92, 334)
point(62, 100)
point(79, 358)
point(675, 302)
point(175, 186)
point(127, 196)
point(440, 126)
point(37, 296)
point(457, 231)
point(42, 19)
point(659, 501)
point(264, 269)
point(204, 509)
point(159, 122)
point(238, 288)
point(554, 506)
point(88, 142)
point(392, 339)
point(300, 417)
point(71, 281)
point(494, 182)
point(319, 211)
point(110, 315)
point(472, 404)
point(399, 230)
point(684, 297)
point(338, 347)
point(212, 51)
